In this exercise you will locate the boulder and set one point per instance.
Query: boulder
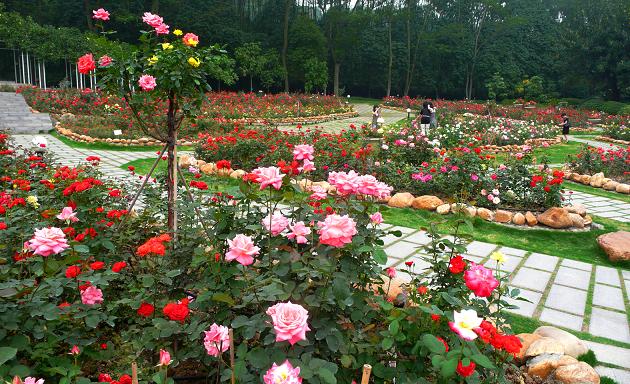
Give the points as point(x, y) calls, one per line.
point(623, 188)
point(458, 207)
point(611, 185)
point(470, 211)
point(578, 221)
point(443, 209)
point(427, 202)
point(401, 200)
point(585, 179)
point(597, 180)
point(185, 161)
point(555, 217)
point(531, 219)
point(572, 345)
point(580, 373)
point(576, 177)
point(518, 218)
point(237, 174)
point(526, 340)
point(588, 220)
point(578, 208)
point(544, 345)
point(543, 365)
point(616, 245)
point(485, 214)
point(208, 168)
point(501, 216)
point(200, 163)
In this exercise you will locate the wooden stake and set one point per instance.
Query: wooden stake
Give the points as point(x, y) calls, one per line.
point(231, 333)
point(367, 371)
point(134, 373)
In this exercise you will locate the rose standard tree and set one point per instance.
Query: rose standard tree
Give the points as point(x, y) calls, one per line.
point(163, 81)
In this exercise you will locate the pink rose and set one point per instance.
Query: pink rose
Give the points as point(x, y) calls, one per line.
point(283, 374)
point(68, 215)
point(33, 380)
point(307, 166)
point(391, 272)
point(48, 241)
point(104, 61)
point(303, 152)
point(153, 20)
point(319, 193)
point(162, 29)
point(480, 280)
point(217, 340)
point(242, 249)
point(275, 223)
point(91, 295)
point(269, 176)
point(376, 218)
point(474, 177)
point(289, 322)
point(368, 185)
point(86, 63)
point(336, 230)
point(190, 39)
point(147, 82)
point(165, 358)
point(345, 183)
point(100, 14)
point(299, 231)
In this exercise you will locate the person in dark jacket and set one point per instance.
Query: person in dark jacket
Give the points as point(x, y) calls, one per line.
point(565, 126)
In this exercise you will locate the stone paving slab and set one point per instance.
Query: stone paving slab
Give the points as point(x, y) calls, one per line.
point(610, 354)
point(577, 265)
point(540, 261)
point(621, 376)
point(607, 296)
point(478, 248)
point(573, 278)
point(607, 275)
point(562, 319)
point(567, 299)
point(532, 279)
point(609, 324)
point(525, 308)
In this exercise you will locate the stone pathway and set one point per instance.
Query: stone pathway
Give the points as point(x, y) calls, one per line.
point(16, 116)
point(566, 293)
point(601, 206)
point(592, 143)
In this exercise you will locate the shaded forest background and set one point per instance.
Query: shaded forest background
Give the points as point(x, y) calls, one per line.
point(435, 48)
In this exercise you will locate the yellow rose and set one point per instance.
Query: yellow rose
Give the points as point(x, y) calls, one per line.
point(194, 62)
point(178, 32)
point(32, 200)
point(192, 42)
point(166, 46)
point(153, 60)
point(498, 256)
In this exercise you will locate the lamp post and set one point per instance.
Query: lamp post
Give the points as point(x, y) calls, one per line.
point(408, 113)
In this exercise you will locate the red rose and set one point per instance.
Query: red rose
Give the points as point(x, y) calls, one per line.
point(73, 271)
point(104, 378)
point(95, 266)
point(103, 346)
point(422, 289)
point(457, 265)
point(176, 312)
point(145, 310)
point(86, 63)
point(65, 304)
point(124, 379)
point(435, 317)
point(512, 344)
point(407, 263)
point(131, 168)
point(119, 266)
point(80, 237)
point(443, 342)
point(3, 226)
point(467, 370)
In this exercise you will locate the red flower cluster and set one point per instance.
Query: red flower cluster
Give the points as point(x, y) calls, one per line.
point(224, 164)
point(177, 311)
point(80, 186)
point(489, 334)
point(457, 265)
point(145, 310)
point(154, 246)
point(199, 185)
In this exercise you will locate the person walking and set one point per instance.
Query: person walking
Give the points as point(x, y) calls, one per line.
point(565, 126)
point(376, 114)
point(433, 121)
point(425, 118)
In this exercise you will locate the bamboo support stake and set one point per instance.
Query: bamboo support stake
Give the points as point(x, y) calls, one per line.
point(134, 373)
point(367, 371)
point(231, 333)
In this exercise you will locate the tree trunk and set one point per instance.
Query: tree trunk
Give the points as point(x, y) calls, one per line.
point(285, 43)
point(336, 79)
point(171, 178)
point(251, 83)
point(391, 59)
point(408, 76)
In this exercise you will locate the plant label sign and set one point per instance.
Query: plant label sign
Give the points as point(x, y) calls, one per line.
point(117, 132)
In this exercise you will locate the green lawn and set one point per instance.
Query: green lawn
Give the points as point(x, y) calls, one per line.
point(555, 154)
point(596, 191)
point(580, 246)
point(112, 147)
point(363, 100)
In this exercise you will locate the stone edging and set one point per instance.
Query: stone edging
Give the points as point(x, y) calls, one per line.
point(296, 120)
point(611, 140)
point(598, 180)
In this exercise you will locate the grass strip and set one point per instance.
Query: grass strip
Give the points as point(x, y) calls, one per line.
point(111, 147)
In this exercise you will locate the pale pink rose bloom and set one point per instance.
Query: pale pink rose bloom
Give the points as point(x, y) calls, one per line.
point(217, 340)
point(33, 380)
point(289, 322)
point(502, 167)
point(345, 183)
point(480, 280)
point(376, 218)
point(48, 241)
point(153, 20)
point(496, 200)
point(319, 193)
point(299, 231)
point(165, 358)
point(282, 374)
point(545, 144)
point(100, 14)
point(275, 223)
point(104, 61)
point(307, 166)
point(368, 185)
point(74, 350)
point(391, 272)
point(269, 176)
point(484, 192)
point(242, 249)
point(336, 230)
point(68, 215)
point(162, 29)
point(91, 295)
point(147, 82)
point(303, 152)
point(464, 323)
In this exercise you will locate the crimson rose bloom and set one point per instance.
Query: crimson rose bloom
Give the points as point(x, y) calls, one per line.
point(95, 266)
point(177, 311)
point(86, 64)
point(73, 271)
point(125, 379)
point(119, 266)
point(512, 344)
point(145, 310)
point(457, 265)
point(466, 371)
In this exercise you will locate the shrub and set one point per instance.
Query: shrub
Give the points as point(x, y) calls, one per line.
point(612, 162)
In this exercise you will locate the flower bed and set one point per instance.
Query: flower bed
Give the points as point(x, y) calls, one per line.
point(613, 162)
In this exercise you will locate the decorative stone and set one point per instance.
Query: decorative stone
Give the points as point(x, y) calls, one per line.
point(555, 217)
point(427, 202)
point(587, 220)
point(585, 179)
point(518, 218)
point(580, 373)
point(543, 345)
point(597, 180)
point(578, 208)
point(185, 161)
point(611, 185)
point(623, 188)
point(208, 168)
point(485, 214)
point(543, 365)
point(470, 211)
point(531, 219)
point(237, 174)
point(443, 209)
point(572, 345)
point(458, 207)
point(201, 163)
point(401, 200)
point(526, 340)
point(578, 221)
point(576, 177)
point(616, 245)
point(501, 216)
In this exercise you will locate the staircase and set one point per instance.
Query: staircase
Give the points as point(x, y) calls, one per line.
point(17, 118)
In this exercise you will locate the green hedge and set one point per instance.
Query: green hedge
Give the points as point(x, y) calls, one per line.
point(610, 107)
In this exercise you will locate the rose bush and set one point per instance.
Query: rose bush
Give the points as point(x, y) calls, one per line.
point(613, 162)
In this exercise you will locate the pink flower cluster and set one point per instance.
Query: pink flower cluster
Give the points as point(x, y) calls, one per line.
point(48, 241)
point(480, 280)
point(299, 231)
point(242, 249)
point(217, 340)
point(100, 14)
point(267, 176)
point(283, 374)
point(147, 82)
point(275, 223)
point(289, 322)
point(91, 295)
point(156, 22)
point(68, 215)
point(351, 183)
point(337, 230)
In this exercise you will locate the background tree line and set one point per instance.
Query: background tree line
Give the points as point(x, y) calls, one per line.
point(436, 48)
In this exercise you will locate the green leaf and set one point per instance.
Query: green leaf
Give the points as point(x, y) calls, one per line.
point(81, 248)
point(394, 327)
point(482, 360)
point(224, 298)
point(6, 354)
point(92, 321)
point(346, 361)
point(327, 376)
point(433, 344)
point(387, 343)
point(449, 367)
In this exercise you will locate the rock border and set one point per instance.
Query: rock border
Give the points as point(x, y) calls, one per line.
point(611, 140)
point(598, 180)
